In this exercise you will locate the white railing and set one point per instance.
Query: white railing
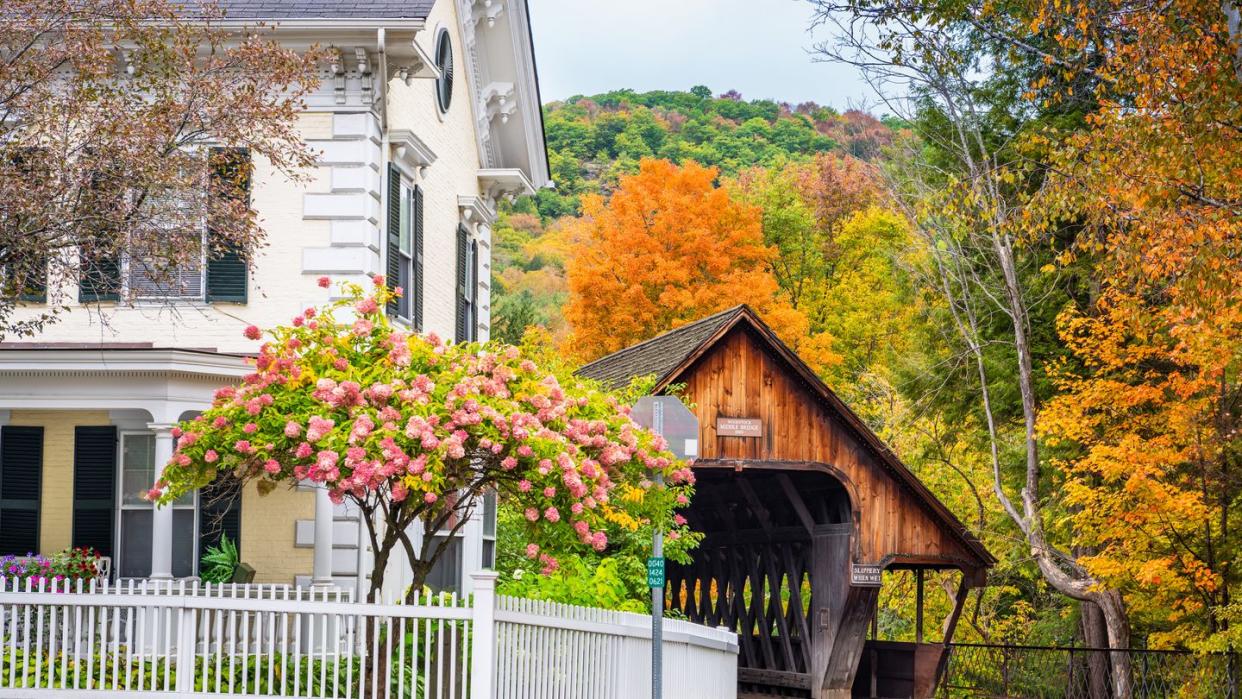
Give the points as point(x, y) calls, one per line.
point(558, 651)
point(254, 641)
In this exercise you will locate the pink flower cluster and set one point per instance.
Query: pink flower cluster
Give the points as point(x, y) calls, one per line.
point(367, 409)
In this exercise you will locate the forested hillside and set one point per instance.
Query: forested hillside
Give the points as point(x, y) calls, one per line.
point(593, 141)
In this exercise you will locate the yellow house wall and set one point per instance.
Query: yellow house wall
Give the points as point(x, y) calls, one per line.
point(267, 522)
point(56, 489)
point(267, 533)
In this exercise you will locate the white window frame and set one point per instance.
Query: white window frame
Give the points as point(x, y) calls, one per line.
point(201, 296)
point(118, 534)
point(484, 536)
point(405, 305)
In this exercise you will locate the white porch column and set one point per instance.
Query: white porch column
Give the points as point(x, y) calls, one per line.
point(162, 524)
point(321, 571)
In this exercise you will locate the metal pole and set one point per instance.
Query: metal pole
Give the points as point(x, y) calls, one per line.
point(657, 593)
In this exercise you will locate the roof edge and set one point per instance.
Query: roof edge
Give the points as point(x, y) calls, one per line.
point(738, 309)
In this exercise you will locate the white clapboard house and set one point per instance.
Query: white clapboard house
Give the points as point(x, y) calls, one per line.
point(427, 115)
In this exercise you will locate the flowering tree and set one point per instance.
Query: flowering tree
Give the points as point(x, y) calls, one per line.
point(108, 113)
point(411, 429)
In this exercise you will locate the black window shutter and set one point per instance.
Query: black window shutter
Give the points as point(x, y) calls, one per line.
point(219, 512)
point(392, 274)
point(99, 279)
point(463, 323)
point(21, 472)
point(227, 274)
point(94, 487)
point(474, 290)
point(34, 285)
point(416, 293)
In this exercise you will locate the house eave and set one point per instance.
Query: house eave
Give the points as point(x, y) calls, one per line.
point(324, 24)
point(64, 362)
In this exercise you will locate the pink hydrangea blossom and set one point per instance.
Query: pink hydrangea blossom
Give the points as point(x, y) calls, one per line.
point(419, 419)
point(318, 427)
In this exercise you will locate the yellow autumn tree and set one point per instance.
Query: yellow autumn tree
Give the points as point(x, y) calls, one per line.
point(668, 247)
point(1150, 406)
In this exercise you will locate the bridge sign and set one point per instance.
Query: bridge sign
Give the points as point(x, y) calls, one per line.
point(866, 574)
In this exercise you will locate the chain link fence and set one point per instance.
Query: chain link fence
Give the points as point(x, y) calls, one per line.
point(1047, 672)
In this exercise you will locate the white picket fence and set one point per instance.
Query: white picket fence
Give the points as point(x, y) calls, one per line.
point(558, 651)
point(281, 641)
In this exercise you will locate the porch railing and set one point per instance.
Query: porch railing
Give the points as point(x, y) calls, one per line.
point(293, 642)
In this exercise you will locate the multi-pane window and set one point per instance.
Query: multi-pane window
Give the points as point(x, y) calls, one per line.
point(445, 575)
point(467, 286)
point(181, 218)
point(136, 516)
point(405, 248)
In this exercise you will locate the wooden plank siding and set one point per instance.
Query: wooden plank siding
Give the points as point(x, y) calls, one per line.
point(740, 376)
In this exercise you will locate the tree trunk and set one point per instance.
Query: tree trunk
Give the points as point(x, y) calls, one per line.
point(1075, 582)
point(1233, 21)
point(1095, 635)
point(1118, 625)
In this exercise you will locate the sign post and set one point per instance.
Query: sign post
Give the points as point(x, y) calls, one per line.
point(670, 418)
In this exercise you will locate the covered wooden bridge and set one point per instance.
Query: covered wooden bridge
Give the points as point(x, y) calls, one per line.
point(803, 507)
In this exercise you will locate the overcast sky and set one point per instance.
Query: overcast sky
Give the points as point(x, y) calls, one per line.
point(757, 47)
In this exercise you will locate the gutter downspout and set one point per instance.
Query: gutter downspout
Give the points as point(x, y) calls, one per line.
point(382, 92)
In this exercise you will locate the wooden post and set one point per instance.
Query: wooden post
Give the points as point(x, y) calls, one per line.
point(918, 605)
point(963, 591)
point(830, 582)
point(859, 610)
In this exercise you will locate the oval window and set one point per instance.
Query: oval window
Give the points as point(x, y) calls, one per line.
point(444, 62)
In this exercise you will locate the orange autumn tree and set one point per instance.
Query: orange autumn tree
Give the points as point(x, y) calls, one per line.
point(668, 247)
point(1150, 404)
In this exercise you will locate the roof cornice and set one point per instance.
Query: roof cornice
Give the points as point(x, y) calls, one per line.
point(122, 361)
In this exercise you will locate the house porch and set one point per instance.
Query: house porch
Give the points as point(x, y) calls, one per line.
point(85, 429)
